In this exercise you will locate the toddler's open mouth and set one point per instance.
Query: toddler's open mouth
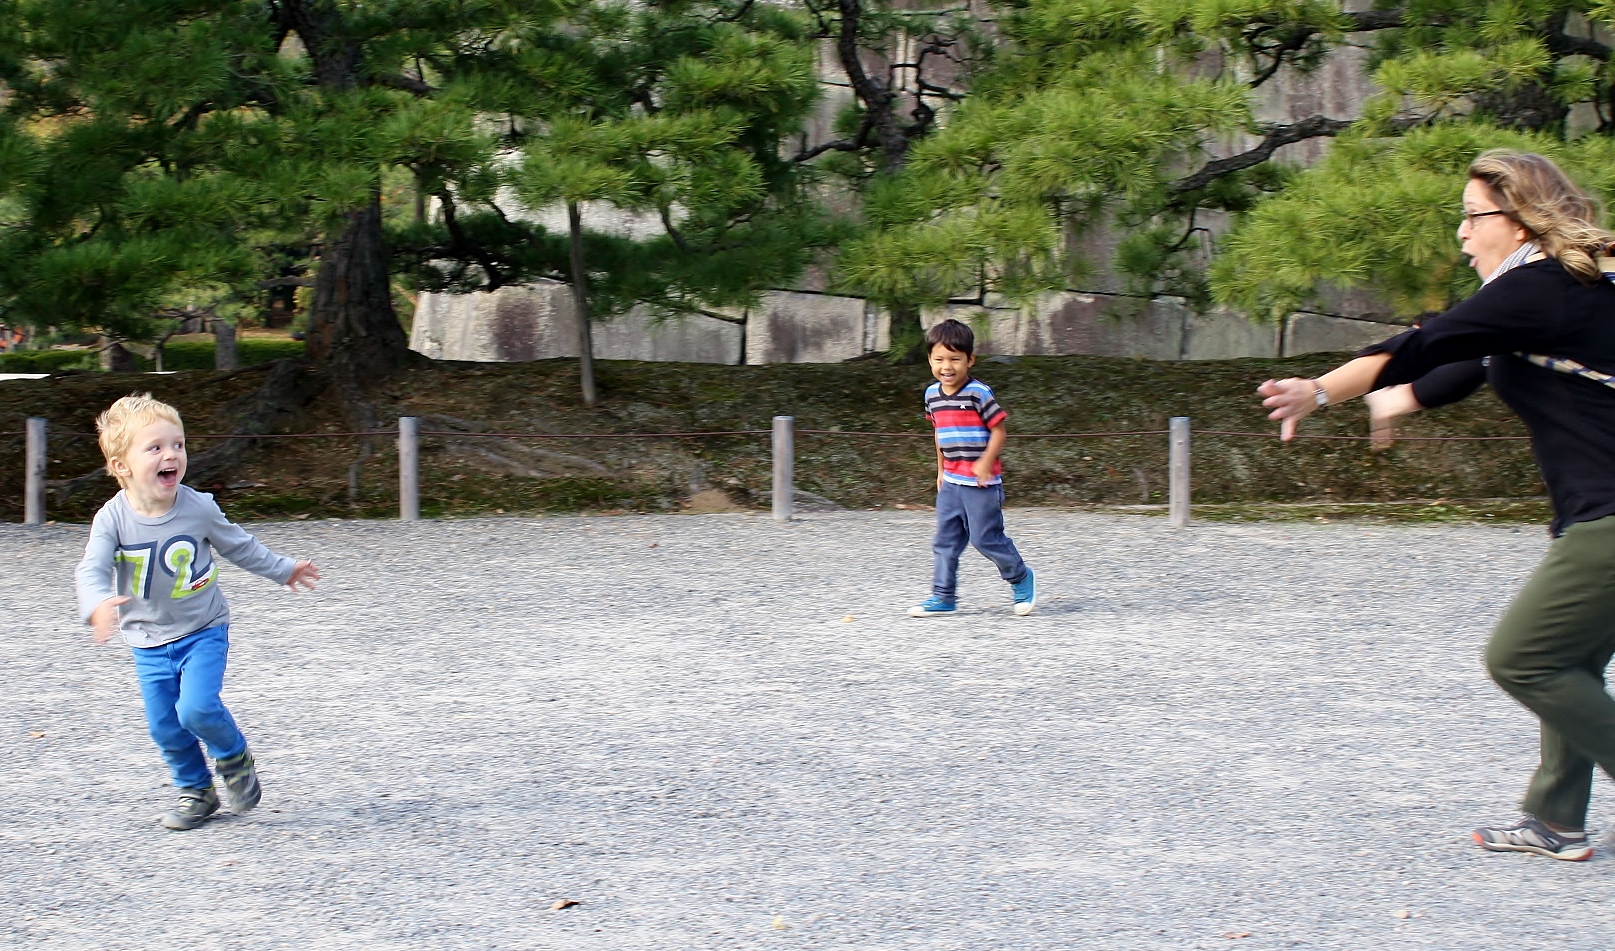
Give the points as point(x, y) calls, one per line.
point(169, 477)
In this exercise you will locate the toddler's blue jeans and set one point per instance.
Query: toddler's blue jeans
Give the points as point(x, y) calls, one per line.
point(180, 682)
point(974, 515)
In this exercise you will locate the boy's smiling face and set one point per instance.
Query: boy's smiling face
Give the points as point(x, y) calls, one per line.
point(152, 467)
point(950, 367)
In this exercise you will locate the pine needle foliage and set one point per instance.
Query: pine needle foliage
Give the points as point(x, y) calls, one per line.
point(1381, 211)
point(154, 150)
point(1142, 118)
point(686, 129)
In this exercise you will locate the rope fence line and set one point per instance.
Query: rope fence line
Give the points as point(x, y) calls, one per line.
point(728, 432)
point(800, 432)
point(1216, 432)
point(456, 433)
point(782, 435)
point(859, 432)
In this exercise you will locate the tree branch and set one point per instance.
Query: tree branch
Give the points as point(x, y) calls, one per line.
point(402, 82)
point(672, 230)
point(1277, 136)
point(1369, 20)
point(876, 95)
point(853, 144)
point(736, 16)
point(1562, 45)
point(465, 246)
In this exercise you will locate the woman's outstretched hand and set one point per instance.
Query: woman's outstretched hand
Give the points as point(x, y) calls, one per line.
point(1384, 408)
point(1290, 401)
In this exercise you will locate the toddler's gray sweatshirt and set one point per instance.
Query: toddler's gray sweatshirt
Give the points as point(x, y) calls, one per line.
point(165, 565)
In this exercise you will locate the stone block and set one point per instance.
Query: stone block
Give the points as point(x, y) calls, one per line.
point(1358, 303)
point(791, 327)
point(1226, 334)
point(530, 322)
point(694, 338)
point(1072, 323)
point(535, 322)
point(1103, 325)
point(1319, 333)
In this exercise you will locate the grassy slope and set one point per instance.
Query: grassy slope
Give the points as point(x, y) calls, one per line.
point(1042, 394)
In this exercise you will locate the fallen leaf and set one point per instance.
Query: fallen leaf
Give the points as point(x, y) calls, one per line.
point(654, 544)
point(36, 734)
point(562, 903)
point(1401, 914)
point(779, 923)
point(301, 516)
point(847, 620)
point(1237, 934)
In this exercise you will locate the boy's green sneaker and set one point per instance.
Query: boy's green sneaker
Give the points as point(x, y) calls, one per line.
point(242, 780)
point(193, 808)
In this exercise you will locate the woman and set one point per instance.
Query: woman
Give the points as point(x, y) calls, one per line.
point(1545, 322)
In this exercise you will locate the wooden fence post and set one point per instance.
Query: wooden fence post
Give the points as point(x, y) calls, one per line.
point(33, 500)
point(1178, 491)
point(409, 453)
point(784, 467)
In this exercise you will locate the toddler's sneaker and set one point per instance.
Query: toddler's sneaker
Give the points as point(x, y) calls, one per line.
point(194, 806)
point(932, 606)
point(1533, 835)
point(1025, 594)
point(242, 780)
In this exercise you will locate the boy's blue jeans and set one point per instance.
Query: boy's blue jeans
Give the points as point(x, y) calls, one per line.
point(970, 514)
point(180, 682)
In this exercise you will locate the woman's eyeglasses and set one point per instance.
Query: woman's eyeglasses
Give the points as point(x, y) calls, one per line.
point(1469, 217)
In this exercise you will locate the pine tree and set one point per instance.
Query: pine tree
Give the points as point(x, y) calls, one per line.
point(1381, 210)
point(906, 65)
point(149, 149)
point(683, 123)
point(1111, 113)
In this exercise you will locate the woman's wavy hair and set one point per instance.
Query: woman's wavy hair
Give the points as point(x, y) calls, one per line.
point(1562, 219)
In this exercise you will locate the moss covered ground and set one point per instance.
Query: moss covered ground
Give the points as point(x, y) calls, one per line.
point(473, 471)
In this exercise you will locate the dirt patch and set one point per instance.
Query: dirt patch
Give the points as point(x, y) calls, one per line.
point(708, 501)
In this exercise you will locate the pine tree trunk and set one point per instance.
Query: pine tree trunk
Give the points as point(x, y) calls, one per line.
point(580, 304)
point(224, 346)
point(352, 327)
point(115, 357)
point(907, 338)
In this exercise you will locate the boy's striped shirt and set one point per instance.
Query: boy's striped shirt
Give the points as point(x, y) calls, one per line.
point(964, 421)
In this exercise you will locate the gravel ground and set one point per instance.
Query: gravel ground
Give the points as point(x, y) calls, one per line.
point(719, 731)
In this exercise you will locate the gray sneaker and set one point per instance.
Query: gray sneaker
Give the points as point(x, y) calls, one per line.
point(1533, 835)
point(242, 780)
point(194, 806)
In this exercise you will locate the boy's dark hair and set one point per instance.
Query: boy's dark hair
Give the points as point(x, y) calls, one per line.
point(953, 334)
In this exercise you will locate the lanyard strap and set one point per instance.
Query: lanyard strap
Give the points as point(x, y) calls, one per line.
point(1606, 267)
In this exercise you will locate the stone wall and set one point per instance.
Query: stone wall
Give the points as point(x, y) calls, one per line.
point(535, 323)
point(1162, 329)
point(803, 324)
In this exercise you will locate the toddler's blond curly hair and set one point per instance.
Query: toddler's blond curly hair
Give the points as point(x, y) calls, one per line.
point(117, 426)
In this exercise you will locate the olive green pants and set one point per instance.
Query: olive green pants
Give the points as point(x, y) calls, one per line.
point(1549, 652)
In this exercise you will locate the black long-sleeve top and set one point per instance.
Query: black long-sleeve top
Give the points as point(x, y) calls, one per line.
point(1535, 308)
